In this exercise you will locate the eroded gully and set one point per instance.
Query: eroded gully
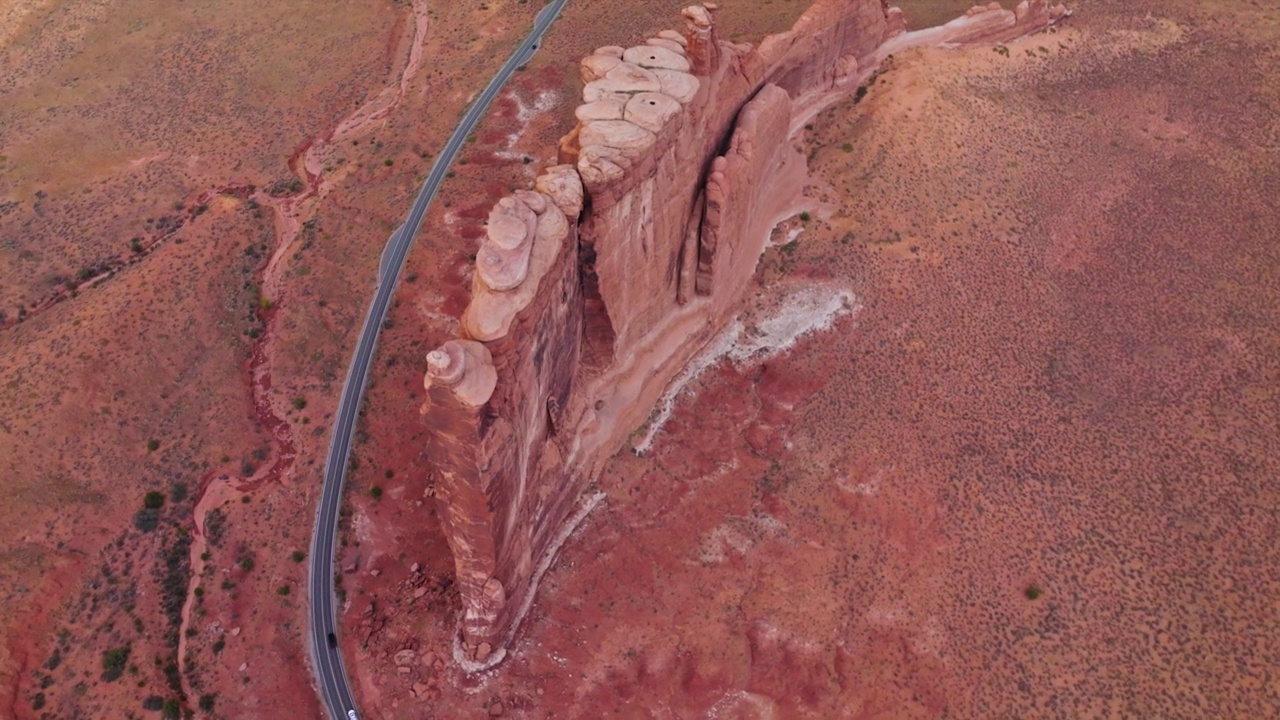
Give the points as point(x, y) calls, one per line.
point(289, 214)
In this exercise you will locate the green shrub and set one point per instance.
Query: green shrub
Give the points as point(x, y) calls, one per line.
point(282, 590)
point(206, 701)
point(153, 445)
point(153, 500)
point(113, 663)
point(376, 491)
point(1033, 592)
point(153, 702)
point(146, 520)
point(215, 524)
point(298, 556)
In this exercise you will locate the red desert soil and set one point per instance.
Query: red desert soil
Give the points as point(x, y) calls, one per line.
point(1027, 475)
point(1062, 375)
point(192, 202)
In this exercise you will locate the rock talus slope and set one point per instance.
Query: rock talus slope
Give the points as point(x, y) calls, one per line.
point(594, 291)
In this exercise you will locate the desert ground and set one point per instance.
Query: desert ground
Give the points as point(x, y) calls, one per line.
point(1024, 473)
point(1022, 470)
point(192, 201)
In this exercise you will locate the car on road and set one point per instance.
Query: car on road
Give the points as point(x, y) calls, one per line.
point(351, 715)
point(333, 640)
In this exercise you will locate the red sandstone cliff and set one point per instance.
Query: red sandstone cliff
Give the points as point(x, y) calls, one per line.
point(592, 293)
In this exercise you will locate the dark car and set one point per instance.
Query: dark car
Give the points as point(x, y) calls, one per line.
point(333, 641)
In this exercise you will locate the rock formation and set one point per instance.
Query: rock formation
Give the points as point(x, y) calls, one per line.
point(592, 292)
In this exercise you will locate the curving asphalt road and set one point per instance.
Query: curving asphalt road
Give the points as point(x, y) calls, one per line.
point(331, 673)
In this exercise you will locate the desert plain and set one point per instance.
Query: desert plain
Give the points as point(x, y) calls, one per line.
point(1023, 467)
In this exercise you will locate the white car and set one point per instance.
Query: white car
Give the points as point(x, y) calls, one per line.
point(351, 715)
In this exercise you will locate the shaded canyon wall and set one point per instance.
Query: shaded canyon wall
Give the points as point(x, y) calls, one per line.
point(593, 291)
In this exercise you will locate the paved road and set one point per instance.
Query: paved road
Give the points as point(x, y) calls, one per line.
point(331, 674)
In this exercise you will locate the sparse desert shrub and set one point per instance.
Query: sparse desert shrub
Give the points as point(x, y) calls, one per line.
point(805, 216)
point(153, 445)
point(173, 573)
point(172, 676)
point(153, 500)
point(153, 702)
point(1033, 592)
point(246, 563)
point(376, 491)
point(146, 520)
point(388, 162)
point(281, 188)
point(206, 701)
point(172, 709)
point(299, 556)
point(299, 403)
point(214, 525)
point(113, 663)
point(282, 590)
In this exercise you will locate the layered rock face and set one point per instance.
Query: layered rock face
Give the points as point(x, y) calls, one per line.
point(594, 291)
